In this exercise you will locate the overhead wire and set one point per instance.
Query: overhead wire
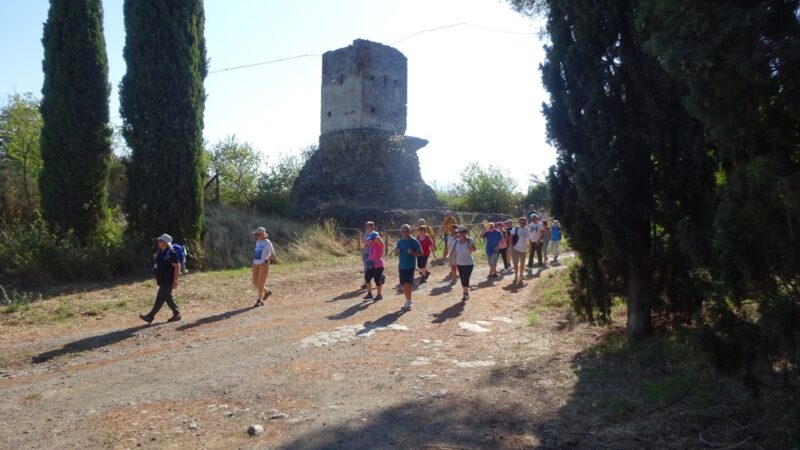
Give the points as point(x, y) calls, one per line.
point(416, 33)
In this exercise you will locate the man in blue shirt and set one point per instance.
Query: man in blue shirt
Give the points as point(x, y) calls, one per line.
point(369, 235)
point(492, 238)
point(407, 249)
point(555, 240)
point(167, 271)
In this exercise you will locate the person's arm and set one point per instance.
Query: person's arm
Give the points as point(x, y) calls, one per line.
point(271, 251)
point(472, 247)
point(416, 250)
point(176, 267)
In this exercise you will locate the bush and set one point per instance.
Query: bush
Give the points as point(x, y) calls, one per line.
point(31, 253)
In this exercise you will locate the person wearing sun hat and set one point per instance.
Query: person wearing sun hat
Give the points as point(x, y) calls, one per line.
point(167, 271)
point(262, 258)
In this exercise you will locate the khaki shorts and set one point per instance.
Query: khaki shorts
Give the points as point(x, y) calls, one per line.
point(517, 257)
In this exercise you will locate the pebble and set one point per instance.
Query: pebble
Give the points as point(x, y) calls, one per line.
point(293, 421)
point(440, 393)
point(278, 416)
point(473, 327)
point(420, 361)
point(255, 430)
point(192, 425)
point(502, 319)
point(427, 376)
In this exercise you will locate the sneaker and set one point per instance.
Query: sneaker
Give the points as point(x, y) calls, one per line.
point(368, 296)
point(146, 318)
point(267, 293)
point(258, 303)
point(363, 286)
point(427, 274)
point(407, 305)
point(465, 297)
point(378, 297)
point(422, 279)
point(174, 318)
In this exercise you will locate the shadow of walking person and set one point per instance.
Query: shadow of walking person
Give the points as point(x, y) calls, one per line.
point(352, 310)
point(383, 321)
point(215, 318)
point(451, 312)
point(89, 343)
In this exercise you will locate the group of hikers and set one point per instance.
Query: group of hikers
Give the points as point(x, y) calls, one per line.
point(415, 250)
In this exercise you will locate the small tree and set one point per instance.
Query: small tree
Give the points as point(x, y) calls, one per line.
point(487, 190)
point(20, 156)
point(275, 186)
point(538, 193)
point(237, 164)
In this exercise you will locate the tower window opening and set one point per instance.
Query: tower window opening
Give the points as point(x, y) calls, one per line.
point(329, 113)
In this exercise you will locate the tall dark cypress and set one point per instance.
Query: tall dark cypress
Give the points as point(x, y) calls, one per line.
point(162, 103)
point(633, 180)
point(76, 137)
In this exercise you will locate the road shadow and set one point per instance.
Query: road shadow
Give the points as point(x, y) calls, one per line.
point(441, 290)
point(215, 318)
point(89, 343)
point(352, 310)
point(514, 287)
point(383, 321)
point(451, 312)
point(347, 295)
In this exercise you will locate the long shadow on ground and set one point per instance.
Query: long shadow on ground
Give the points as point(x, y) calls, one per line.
point(383, 321)
point(451, 312)
point(347, 295)
point(89, 343)
point(215, 318)
point(352, 310)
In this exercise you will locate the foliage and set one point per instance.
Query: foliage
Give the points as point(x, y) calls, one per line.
point(75, 139)
point(632, 173)
point(162, 103)
point(31, 254)
point(740, 63)
point(237, 165)
point(487, 190)
point(538, 194)
point(275, 186)
point(20, 155)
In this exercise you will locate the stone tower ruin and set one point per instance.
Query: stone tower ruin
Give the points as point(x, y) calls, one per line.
point(365, 165)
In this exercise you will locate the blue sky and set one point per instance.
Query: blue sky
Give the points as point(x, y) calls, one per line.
point(475, 94)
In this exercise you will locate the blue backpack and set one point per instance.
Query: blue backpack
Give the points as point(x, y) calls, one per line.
point(181, 251)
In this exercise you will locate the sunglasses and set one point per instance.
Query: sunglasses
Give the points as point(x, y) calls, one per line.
point(405, 231)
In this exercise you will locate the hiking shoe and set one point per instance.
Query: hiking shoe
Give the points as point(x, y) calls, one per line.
point(378, 297)
point(363, 286)
point(465, 297)
point(427, 274)
point(258, 303)
point(267, 293)
point(174, 318)
point(407, 305)
point(146, 318)
point(368, 296)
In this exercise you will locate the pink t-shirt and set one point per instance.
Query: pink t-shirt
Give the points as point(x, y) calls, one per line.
point(426, 243)
point(376, 254)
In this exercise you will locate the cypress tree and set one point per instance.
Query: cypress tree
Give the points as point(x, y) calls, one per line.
point(632, 176)
point(76, 137)
point(162, 103)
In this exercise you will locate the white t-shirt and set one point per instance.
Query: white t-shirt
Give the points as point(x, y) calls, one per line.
point(522, 242)
point(463, 253)
point(262, 251)
point(536, 231)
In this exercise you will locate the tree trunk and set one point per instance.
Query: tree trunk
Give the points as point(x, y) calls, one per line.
point(639, 303)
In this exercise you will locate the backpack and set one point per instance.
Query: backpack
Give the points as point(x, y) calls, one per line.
point(181, 251)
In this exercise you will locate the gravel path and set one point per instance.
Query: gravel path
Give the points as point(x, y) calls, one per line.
point(317, 367)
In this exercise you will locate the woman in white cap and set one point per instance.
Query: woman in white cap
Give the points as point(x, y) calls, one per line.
point(262, 257)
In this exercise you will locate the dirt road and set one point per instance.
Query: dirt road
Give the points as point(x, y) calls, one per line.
point(317, 368)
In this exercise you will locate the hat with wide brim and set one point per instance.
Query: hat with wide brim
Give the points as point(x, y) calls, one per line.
point(165, 238)
point(261, 230)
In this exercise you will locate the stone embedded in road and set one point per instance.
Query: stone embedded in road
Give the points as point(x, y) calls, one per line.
point(347, 333)
point(440, 393)
point(192, 425)
point(427, 376)
point(277, 416)
point(473, 327)
point(502, 319)
point(473, 364)
point(420, 361)
point(483, 322)
point(254, 430)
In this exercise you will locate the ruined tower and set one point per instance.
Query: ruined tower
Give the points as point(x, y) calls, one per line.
point(365, 165)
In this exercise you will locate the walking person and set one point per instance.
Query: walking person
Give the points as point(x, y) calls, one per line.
point(493, 238)
point(545, 240)
point(447, 224)
point(426, 242)
point(407, 249)
point(375, 268)
point(536, 230)
point(431, 234)
point(519, 246)
point(502, 248)
point(263, 254)
point(463, 248)
point(369, 233)
point(450, 253)
point(507, 226)
point(167, 271)
point(555, 240)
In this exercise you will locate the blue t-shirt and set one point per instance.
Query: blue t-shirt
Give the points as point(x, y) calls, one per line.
point(493, 239)
point(369, 237)
point(408, 261)
point(528, 214)
point(555, 233)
